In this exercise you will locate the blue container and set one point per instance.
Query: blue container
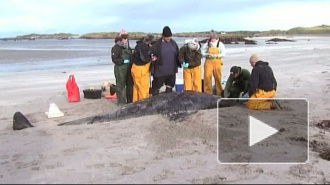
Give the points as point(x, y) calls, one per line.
point(178, 87)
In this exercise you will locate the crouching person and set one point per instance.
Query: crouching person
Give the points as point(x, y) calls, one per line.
point(238, 83)
point(140, 68)
point(190, 57)
point(263, 85)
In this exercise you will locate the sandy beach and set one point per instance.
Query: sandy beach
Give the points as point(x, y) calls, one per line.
point(151, 149)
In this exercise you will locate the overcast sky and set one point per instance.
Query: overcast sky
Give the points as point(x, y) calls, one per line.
point(82, 16)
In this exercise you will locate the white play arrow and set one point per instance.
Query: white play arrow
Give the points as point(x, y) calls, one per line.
point(259, 131)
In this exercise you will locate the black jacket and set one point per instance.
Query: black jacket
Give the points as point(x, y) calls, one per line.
point(141, 54)
point(156, 51)
point(116, 54)
point(262, 77)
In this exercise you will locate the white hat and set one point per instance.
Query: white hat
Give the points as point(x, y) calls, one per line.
point(187, 41)
point(193, 44)
point(54, 111)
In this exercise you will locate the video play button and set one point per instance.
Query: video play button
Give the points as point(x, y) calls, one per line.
point(259, 131)
point(248, 136)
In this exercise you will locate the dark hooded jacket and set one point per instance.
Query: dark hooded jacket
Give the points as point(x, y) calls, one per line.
point(262, 77)
point(119, 53)
point(141, 54)
point(243, 81)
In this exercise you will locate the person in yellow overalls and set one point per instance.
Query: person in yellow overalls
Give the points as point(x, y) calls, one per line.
point(213, 51)
point(190, 57)
point(140, 68)
point(263, 85)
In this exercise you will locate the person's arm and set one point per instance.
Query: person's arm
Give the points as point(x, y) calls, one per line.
point(222, 50)
point(116, 56)
point(204, 50)
point(181, 54)
point(228, 86)
point(254, 81)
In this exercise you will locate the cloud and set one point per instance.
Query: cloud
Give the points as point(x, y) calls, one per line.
point(82, 16)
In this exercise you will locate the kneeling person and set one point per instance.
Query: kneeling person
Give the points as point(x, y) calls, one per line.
point(263, 85)
point(190, 57)
point(237, 83)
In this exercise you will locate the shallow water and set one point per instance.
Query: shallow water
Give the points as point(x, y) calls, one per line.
point(24, 56)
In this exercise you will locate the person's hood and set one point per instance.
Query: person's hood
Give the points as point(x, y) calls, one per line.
point(240, 70)
point(121, 44)
point(262, 63)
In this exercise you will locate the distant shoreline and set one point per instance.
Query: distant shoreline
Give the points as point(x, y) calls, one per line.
point(232, 36)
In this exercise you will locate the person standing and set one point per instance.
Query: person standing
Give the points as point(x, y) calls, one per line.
point(263, 85)
point(140, 68)
point(213, 51)
point(121, 55)
point(165, 64)
point(190, 56)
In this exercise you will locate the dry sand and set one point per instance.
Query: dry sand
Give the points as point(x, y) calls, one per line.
point(151, 149)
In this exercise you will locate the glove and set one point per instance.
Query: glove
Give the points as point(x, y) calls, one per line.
point(214, 56)
point(185, 65)
point(126, 61)
point(246, 95)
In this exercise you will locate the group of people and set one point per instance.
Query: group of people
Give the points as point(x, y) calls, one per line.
point(161, 58)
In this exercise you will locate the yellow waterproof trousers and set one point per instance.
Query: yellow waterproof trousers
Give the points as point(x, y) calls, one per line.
point(260, 104)
point(192, 79)
point(140, 76)
point(212, 67)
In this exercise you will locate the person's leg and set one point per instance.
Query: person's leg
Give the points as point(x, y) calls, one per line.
point(197, 79)
point(217, 76)
point(144, 88)
point(157, 83)
point(170, 82)
point(187, 80)
point(261, 104)
point(120, 75)
point(208, 70)
point(129, 84)
point(136, 74)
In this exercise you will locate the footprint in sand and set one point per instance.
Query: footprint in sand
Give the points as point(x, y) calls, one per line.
point(163, 176)
point(43, 133)
point(131, 170)
point(4, 157)
point(4, 119)
point(71, 151)
point(96, 166)
point(57, 165)
point(308, 173)
point(209, 180)
point(189, 164)
point(16, 157)
point(35, 168)
point(21, 165)
point(114, 165)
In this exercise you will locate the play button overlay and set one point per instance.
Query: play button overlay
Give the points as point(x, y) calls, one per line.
point(259, 131)
point(279, 136)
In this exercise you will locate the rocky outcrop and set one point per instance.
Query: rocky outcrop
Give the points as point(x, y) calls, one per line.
point(280, 40)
